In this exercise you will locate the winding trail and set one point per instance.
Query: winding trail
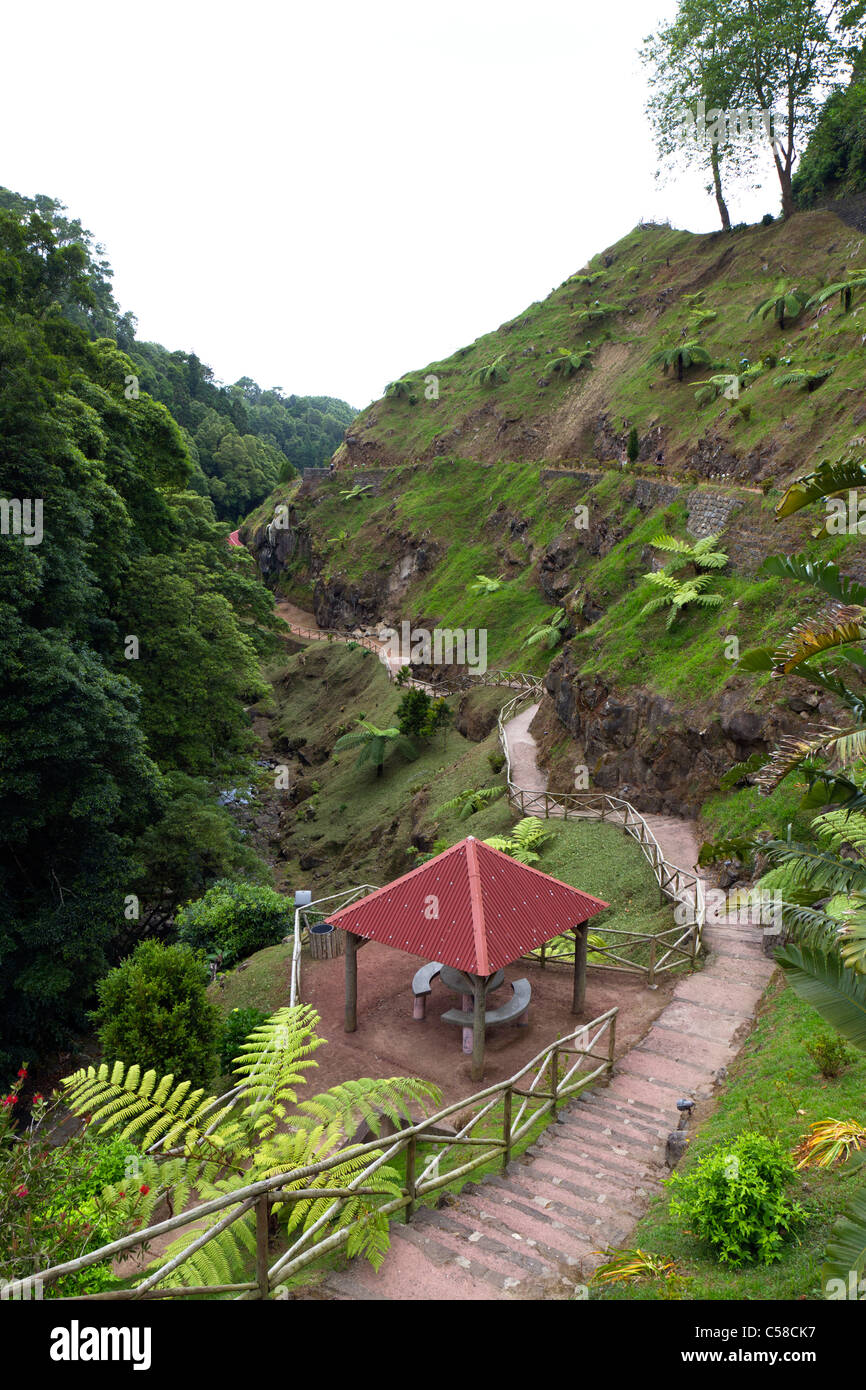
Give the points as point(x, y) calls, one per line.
point(536, 1231)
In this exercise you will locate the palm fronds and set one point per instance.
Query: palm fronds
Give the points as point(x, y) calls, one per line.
point(484, 585)
point(568, 363)
point(803, 379)
point(680, 356)
point(550, 630)
point(494, 372)
point(844, 288)
point(823, 980)
point(468, 803)
point(829, 1142)
point(786, 304)
point(829, 479)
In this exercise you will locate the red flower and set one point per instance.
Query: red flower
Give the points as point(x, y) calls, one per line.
point(144, 1190)
point(121, 1194)
point(38, 1096)
point(10, 1100)
point(22, 1071)
point(21, 1191)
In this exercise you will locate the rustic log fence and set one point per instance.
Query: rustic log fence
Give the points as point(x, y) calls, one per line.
point(503, 1115)
point(642, 953)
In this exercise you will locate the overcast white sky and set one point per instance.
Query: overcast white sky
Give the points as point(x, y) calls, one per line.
point(325, 196)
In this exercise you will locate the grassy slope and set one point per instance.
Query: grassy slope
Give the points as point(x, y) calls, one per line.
point(653, 268)
point(774, 1087)
point(360, 826)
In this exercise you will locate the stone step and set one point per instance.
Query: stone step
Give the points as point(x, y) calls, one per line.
point(556, 1226)
point(693, 1021)
point(577, 1155)
point(624, 1086)
point(501, 1255)
point(582, 1194)
point(678, 1078)
point(636, 1108)
point(688, 1050)
point(625, 1115)
point(719, 994)
point(609, 1125)
point(496, 1208)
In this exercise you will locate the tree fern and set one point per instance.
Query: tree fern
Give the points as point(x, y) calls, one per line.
point(785, 304)
point(493, 372)
point(803, 379)
point(468, 803)
point(263, 1129)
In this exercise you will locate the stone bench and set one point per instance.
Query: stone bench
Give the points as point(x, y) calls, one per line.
point(516, 1009)
point(422, 984)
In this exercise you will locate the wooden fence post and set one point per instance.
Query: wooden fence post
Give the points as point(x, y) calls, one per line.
point(611, 1043)
point(506, 1128)
point(410, 1179)
point(652, 962)
point(262, 1245)
point(554, 1071)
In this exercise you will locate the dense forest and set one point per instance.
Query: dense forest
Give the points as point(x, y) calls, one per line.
point(242, 440)
point(130, 633)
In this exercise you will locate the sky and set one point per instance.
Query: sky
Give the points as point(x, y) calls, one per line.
point(327, 196)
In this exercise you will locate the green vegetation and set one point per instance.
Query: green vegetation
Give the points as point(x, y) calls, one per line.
point(153, 1009)
point(776, 1089)
point(735, 1197)
point(232, 920)
point(131, 642)
point(267, 1130)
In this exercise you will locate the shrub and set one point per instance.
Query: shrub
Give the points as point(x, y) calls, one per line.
point(51, 1195)
point(234, 919)
point(830, 1053)
point(154, 1010)
point(237, 1027)
point(633, 447)
point(496, 761)
point(735, 1199)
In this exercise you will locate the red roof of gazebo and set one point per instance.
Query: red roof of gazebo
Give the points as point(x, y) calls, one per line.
point(491, 909)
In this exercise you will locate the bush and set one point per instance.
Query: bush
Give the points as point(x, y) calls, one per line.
point(51, 1194)
point(633, 446)
point(235, 919)
point(830, 1053)
point(237, 1027)
point(734, 1198)
point(154, 1010)
point(496, 761)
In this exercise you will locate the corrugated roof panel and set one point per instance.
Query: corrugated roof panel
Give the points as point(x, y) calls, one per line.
point(471, 907)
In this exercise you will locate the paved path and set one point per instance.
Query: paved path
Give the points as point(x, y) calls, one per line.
point(539, 1229)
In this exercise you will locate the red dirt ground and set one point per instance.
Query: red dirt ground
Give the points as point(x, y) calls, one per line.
point(389, 1042)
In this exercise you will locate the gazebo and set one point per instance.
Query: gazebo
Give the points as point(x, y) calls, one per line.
point(472, 908)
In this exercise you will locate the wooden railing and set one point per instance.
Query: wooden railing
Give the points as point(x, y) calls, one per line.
point(503, 1116)
point(643, 953)
point(318, 910)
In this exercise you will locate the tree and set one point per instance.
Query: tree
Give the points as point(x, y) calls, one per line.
point(485, 585)
point(786, 304)
point(493, 373)
point(568, 363)
point(633, 446)
point(375, 744)
point(789, 52)
point(220, 1148)
point(702, 554)
point(549, 630)
point(681, 356)
point(234, 919)
point(525, 842)
point(690, 66)
point(844, 288)
point(677, 594)
point(153, 1008)
point(803, 379)
point(413, 711)
point(469, 803)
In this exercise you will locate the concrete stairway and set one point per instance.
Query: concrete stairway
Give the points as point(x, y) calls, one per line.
point(536, 1231)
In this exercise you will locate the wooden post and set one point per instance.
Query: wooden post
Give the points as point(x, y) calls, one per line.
point(543, 952)
point(478, 1024)
point(410, 1179)
point(506, 1128)
point(351, 1022)
point(652, 963)
point(579, 994)
point(262, 1245)
point(554, 1072)
point(611, 1042)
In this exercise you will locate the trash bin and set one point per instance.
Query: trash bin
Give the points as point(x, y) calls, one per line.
point(326, 941)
